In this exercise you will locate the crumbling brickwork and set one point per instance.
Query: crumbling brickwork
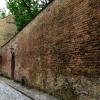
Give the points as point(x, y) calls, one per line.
point(63, 40)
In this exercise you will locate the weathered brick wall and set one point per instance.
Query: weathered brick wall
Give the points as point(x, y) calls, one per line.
point(63, 40)
point(7, 29)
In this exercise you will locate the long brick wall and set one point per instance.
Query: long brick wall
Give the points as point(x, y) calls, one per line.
point(63, 40)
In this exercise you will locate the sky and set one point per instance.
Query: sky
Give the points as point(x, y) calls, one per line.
point(3, 5)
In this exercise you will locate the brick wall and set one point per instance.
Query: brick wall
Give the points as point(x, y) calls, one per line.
point(7, 29)
point(63, 40)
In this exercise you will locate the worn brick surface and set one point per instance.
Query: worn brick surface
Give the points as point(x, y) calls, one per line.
point(62, 40)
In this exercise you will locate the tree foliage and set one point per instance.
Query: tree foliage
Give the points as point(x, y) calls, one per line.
point(25, 10)
point(2, 13)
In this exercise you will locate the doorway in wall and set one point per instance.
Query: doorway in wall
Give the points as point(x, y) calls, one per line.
point(12, 65)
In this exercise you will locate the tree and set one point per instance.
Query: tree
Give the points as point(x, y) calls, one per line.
point(43, 3)
point(25, 10)
point(2, 13)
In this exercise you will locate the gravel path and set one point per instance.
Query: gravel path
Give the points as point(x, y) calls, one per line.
point(8, 93)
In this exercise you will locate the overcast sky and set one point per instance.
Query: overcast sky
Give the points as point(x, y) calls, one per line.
point(3, 5)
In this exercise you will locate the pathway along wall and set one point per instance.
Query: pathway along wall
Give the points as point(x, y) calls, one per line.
point(60, 46)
